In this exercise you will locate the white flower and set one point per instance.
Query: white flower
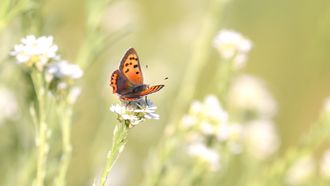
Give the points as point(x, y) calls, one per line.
point(135, 112)
point(35, 51)
point(207, 128)
point(261, 139)
point(206, 115)
point(326, 105)
point(205, 120)
point(232, 134)
point(325, 165)
point(188, 121)
point(196, 108)
point(73, 95)
point(232, 46)
point(248, 96)
point(8, 105)
point(213, 111)
point(205, 154)
point(64, 70)
point(301, 171)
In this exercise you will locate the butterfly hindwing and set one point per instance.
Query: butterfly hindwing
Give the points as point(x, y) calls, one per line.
point(151, 90)
point(130, 67)
point(120, 83)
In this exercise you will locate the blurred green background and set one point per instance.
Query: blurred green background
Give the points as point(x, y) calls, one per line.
point(290, 53)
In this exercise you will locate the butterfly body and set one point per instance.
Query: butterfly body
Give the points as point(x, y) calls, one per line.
point(127, 81)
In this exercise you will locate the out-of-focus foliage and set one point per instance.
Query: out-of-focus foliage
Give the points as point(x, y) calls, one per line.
point(272, 106)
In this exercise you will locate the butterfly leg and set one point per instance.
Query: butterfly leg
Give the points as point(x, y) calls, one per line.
point(128, 103)
point(146, 100)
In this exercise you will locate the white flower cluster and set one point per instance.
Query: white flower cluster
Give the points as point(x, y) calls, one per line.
point(208, 124)
point(64, 70)
point(205, 154)
point(41, 53)
point(135, 112)
point(301, 172)
point(34, 51)
point(251, 104)
point(249, 97)
point(261, 139)
point(206, 127)
point(232, 46)
point(62, 74)
point(304, 170)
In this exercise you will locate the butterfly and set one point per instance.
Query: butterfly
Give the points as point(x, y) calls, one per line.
point(127, 81)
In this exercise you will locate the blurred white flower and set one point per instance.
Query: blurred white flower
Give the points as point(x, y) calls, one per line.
point(207, 128)
point(188, 121)
point(73, 95)
point(205, 154)
point(326, 105)
point(301, 171)
point(35, 51)
point(232, 134)
point(135, 112)
point(213, 111)
point(196, 108)
point(8, 105)
point(248, 96)
point(208, 120)
point(64, 70)
point(261, 139)
point(325, 165)
point(205, 116)
point(232, 46)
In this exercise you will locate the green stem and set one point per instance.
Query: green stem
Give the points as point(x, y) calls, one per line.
point(42, 131)
point(195, 174)
point(118, 144)
point(224, 76)
point(65, 114)
point(185, 95)
point(199, 58)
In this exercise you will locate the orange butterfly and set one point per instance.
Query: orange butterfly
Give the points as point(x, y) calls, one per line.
point(128, 80)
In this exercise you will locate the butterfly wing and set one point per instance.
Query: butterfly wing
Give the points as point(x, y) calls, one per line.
point(128, 80)
point(140, 93)
point(130, 67)
point(151, 90)
point(120, 83)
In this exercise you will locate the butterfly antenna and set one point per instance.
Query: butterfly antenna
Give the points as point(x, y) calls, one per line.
point(158, 81)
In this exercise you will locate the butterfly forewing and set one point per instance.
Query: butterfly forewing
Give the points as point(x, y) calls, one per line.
point(130, 67)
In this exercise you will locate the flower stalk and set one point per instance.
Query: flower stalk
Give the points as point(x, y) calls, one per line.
point(118, 144)
point(65, 112)
point(129, 115)
point(53, 80)
point(224, 75)
point(42, 128)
